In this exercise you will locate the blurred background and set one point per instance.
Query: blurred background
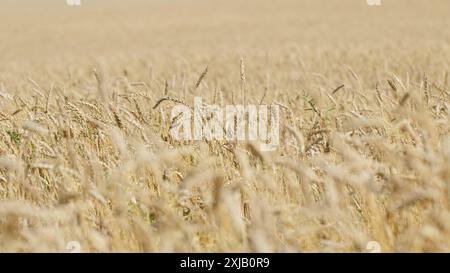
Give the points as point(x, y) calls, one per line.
point(52, 29)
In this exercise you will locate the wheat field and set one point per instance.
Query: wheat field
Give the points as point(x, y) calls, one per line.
point(86, 155)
